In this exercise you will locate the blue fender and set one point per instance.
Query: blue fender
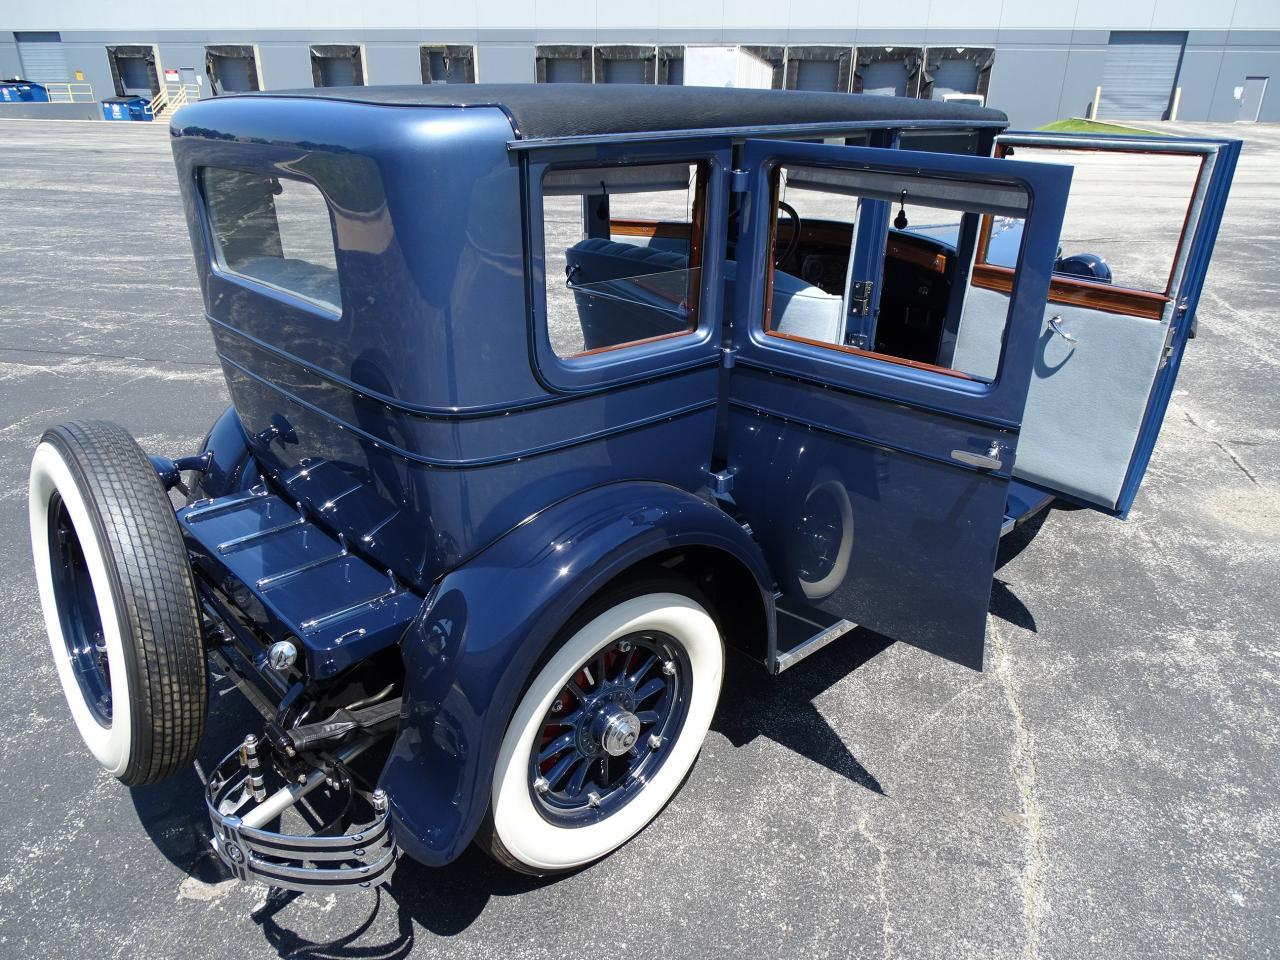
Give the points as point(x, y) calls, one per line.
point(232, 467)
point(483, 629)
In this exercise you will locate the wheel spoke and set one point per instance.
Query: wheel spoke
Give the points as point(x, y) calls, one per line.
point(577, 691)
point(637, 675)
point(557, 746)
point(579, 779)
point(561, 769)
point(653, 687)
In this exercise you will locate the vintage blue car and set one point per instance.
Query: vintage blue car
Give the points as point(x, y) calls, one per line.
point(543, 396)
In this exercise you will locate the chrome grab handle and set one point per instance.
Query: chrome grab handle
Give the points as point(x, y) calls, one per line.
point(988, 461)
point(1055, 324)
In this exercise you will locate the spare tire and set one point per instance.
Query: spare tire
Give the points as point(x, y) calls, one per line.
point(119, 601)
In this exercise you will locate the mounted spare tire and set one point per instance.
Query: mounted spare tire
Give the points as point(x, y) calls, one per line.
point(119, 601)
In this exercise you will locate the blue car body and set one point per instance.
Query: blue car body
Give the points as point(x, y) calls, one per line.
point(412, 472)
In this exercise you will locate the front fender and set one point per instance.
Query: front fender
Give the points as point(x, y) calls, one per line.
point(471, 651)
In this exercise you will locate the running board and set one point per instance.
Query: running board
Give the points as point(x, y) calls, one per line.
point(803, 631)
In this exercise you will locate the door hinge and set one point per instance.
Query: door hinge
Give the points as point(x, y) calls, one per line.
point(738, 181)
point(860, 296)
point(727, 355)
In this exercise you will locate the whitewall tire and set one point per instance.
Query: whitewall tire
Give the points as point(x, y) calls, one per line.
point(118, 601)
point(606, 732)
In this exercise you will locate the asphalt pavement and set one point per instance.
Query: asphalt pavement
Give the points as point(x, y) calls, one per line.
point(1106, 787)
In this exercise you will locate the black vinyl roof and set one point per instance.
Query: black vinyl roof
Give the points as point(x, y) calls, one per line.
point(539, 111)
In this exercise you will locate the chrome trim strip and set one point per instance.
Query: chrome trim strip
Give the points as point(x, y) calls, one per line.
point(258, 535)
point(276, 578)
point(200, 512)
point(315, 623)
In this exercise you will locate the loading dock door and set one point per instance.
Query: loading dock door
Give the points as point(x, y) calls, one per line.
point(232, 73)
point(955, 76)
point(887, 78)
point(1138, 77)
point(42, 56)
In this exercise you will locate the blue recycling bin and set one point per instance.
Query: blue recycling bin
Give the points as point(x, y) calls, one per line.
point(23, 91)
point(125, 108)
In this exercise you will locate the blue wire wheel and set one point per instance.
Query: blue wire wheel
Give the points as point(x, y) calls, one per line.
point(606, 732)
point(610, 729)
point(83, 639)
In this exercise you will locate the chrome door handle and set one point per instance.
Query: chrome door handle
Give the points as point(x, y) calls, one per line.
point(988, 461)
point(1055, 324)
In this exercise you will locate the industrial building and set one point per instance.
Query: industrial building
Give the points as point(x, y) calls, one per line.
point(1115, 60)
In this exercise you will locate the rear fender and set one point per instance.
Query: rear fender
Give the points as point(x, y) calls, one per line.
point(487, 624)
point(232, 467)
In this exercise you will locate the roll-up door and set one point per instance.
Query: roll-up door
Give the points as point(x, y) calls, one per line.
point(42, 55)
point(233, 74)
point(1139, 74)
point(886, 78)
point(955, 75)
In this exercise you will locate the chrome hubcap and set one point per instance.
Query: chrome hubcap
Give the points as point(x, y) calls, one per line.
point(618, 730)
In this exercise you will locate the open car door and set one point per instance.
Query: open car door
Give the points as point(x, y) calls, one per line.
point(1136, 241)
point(873, 471)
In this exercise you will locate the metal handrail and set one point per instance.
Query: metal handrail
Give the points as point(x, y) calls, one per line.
point(69, 92)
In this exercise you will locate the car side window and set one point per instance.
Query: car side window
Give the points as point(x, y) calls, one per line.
point(877, 265)
point(274, 230)
point(1114, 254)
point(622, 250)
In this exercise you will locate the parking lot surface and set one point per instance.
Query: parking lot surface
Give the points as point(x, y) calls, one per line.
point(1106, 787)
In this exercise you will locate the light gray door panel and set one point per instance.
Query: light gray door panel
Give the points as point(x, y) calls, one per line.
point(1087, 398)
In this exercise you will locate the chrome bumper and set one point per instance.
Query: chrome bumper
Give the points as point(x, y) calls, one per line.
point(239, 807)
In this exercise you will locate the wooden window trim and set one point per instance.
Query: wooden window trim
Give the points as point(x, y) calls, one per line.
point(635, 227)
point(1079, 293)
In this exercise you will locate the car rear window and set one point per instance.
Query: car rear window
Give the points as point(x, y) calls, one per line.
point(273, 230)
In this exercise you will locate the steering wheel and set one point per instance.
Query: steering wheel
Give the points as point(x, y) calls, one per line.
point(790, 211)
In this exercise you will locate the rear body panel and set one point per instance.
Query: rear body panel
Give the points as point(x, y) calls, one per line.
point(420, 397)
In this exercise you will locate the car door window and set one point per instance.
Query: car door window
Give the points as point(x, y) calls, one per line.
point(895, 294)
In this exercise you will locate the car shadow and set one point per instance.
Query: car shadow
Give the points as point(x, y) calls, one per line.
point(447, 900)
point(754, 704)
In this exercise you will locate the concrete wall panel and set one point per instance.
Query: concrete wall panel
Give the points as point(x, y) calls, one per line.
point(1028, 104)
point(1198, 78)
point(505, 63)
point(285, 66)
point(1082, 75)
point(393, 62)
